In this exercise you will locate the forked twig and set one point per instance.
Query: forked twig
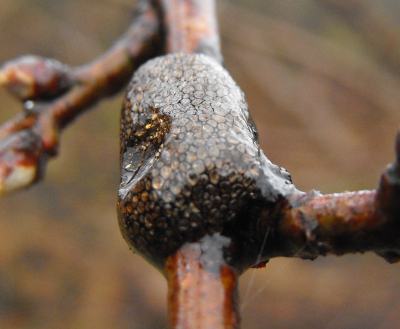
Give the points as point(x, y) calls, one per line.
point(206, 225)
point(54, 94)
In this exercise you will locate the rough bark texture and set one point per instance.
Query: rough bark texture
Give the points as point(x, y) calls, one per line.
point(329, 95)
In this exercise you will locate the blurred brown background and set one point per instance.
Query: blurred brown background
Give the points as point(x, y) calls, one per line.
point(323, 83)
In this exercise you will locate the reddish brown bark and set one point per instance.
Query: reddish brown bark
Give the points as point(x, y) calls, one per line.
point(202, 289)
point(309, 225)
point(58, 94)
point(202, 285)
point(336, 223)
point(192, 27)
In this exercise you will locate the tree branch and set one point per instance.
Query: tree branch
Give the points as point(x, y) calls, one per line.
point(192, 27)
point(202, 287)
point(270, 214)
point(54, 94)
point(310, 225)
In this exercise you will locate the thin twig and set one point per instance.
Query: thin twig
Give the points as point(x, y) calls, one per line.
point(202, 287)
point(55, 94)
point(348, 222)
point(192, 27)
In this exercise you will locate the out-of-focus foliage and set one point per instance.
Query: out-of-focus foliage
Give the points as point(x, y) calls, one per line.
point(326, 102)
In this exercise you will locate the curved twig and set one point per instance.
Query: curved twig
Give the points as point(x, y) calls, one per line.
point(55, 94)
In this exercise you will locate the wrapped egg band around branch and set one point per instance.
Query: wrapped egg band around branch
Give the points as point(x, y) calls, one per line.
point(206, 173)
point(196, 190)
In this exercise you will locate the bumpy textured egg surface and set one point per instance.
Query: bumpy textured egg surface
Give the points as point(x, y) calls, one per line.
point(190, 161)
